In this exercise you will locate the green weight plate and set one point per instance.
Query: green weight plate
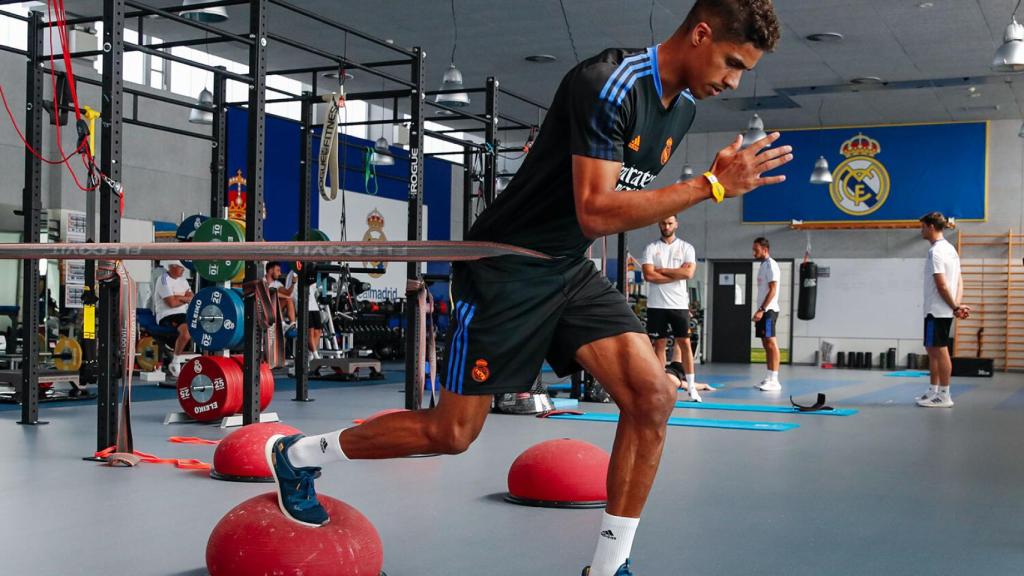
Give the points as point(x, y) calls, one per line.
point(314, 235)
point(219, 230)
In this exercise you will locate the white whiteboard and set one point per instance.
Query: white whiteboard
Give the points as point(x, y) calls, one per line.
point(359, 206)
point(867, 298)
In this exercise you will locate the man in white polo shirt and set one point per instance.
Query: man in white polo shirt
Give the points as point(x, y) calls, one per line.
point(942, 293)
point(767, 315)
point(170, 303)
point(667, 264)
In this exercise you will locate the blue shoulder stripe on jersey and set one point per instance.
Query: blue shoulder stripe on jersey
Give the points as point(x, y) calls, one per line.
point(652, 53)
point(629, 85)
point(626, 62)
point(625, 76)
point(689, 96)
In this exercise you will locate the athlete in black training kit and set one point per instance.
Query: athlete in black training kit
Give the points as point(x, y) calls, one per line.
point(614, 123)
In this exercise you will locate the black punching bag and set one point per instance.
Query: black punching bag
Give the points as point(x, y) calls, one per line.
point(808, 291)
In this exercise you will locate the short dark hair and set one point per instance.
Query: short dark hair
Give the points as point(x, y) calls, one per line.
point(936, 221)
point(762, 242)
point(270, 265)
point(739, 21)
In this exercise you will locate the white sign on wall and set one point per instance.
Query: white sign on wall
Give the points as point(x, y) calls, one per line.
point(372, 218)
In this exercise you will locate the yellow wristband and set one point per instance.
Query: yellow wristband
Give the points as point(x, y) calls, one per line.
point(717, 190)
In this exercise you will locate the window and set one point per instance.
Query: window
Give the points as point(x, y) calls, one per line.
point(14, 33)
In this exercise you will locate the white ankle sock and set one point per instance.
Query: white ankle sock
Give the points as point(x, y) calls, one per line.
point(944, 392)
point(315, 451)
point(773, 376)
point(691, 381)
point(614, 542)
point(933, 389)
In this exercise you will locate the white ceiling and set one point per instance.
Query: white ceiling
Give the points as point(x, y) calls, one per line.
point(894, 39)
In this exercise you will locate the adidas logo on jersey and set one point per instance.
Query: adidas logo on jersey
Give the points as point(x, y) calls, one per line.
point(634, 144)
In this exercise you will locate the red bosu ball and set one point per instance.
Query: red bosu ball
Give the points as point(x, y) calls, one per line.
point(560, 473)
point(240, 456)
point(255, 538)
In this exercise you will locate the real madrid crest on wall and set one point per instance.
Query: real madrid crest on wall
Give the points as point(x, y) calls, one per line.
point(236, 197)
point(375, 233)
point(860, 184)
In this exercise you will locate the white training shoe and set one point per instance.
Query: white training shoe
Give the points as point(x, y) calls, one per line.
point(694, 395)
point(761, 383)
point(174, 367)
point(770, 386)
point(924, 397)
point(937, 401)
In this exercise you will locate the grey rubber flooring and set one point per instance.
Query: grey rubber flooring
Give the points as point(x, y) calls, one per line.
point(894, 489)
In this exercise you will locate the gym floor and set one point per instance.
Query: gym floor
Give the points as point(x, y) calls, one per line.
point(894, 489)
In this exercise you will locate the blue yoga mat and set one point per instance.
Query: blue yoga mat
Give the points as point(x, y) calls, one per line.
point(763, 408)
point(795, 387)
point(907, 374)
point(903, 394)
point(693, 422)
point(564, 403)
point(565, 387)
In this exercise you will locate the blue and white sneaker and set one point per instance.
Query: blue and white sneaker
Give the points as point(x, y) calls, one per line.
point(295, 493)
point(622, 571)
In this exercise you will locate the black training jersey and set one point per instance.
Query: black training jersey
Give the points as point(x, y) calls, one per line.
point(607, 107)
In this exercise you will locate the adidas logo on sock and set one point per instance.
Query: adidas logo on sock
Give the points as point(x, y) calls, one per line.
point(609, 535)
point(323, 445)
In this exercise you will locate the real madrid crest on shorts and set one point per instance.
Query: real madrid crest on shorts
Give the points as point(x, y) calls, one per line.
point(375, 233)
point(860, 184)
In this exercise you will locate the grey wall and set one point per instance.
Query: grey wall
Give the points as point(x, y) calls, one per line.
point(164, 174)
point(718, 231)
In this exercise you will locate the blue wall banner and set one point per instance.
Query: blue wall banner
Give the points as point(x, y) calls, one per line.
point(879, 174)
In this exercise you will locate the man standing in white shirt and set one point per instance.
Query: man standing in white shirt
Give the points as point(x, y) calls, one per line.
point(767, 315)
point(942, 293)
point(170, 303)
point(667, 264)
point(314, 322)
point(272, 278)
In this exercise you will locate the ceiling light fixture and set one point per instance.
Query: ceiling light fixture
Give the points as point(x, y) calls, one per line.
point(825, 37)
point(821, 173)
point(1010, 56)
point(199, 116)
point(452, 79)
point(866, 80)
point(541, 58)
point(210, 15)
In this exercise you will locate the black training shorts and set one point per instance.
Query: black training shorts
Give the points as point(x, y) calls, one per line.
point(659, 320)
point(509, 314)
point(172, 321)
point(765, 327)
point(936, 331)
point(314, 320)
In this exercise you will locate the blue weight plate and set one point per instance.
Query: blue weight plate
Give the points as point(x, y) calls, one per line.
point(216, 318)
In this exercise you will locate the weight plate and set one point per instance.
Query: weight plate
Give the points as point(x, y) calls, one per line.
point(148, 354)
point(216, 318)
point(218, 230)
point(266, 380)
point(314, 235)
point(210, 388)
point(186, 230)
point(67, 354)
point(239, 278)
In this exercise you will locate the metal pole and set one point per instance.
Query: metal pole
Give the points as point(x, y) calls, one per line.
point(302, 283)
point(218, 162)
point(31, 205)
point(467, 191)
point(253, 216)
point(491, 137)
point(110, 218)
point(413, 394)
point(620, 264)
